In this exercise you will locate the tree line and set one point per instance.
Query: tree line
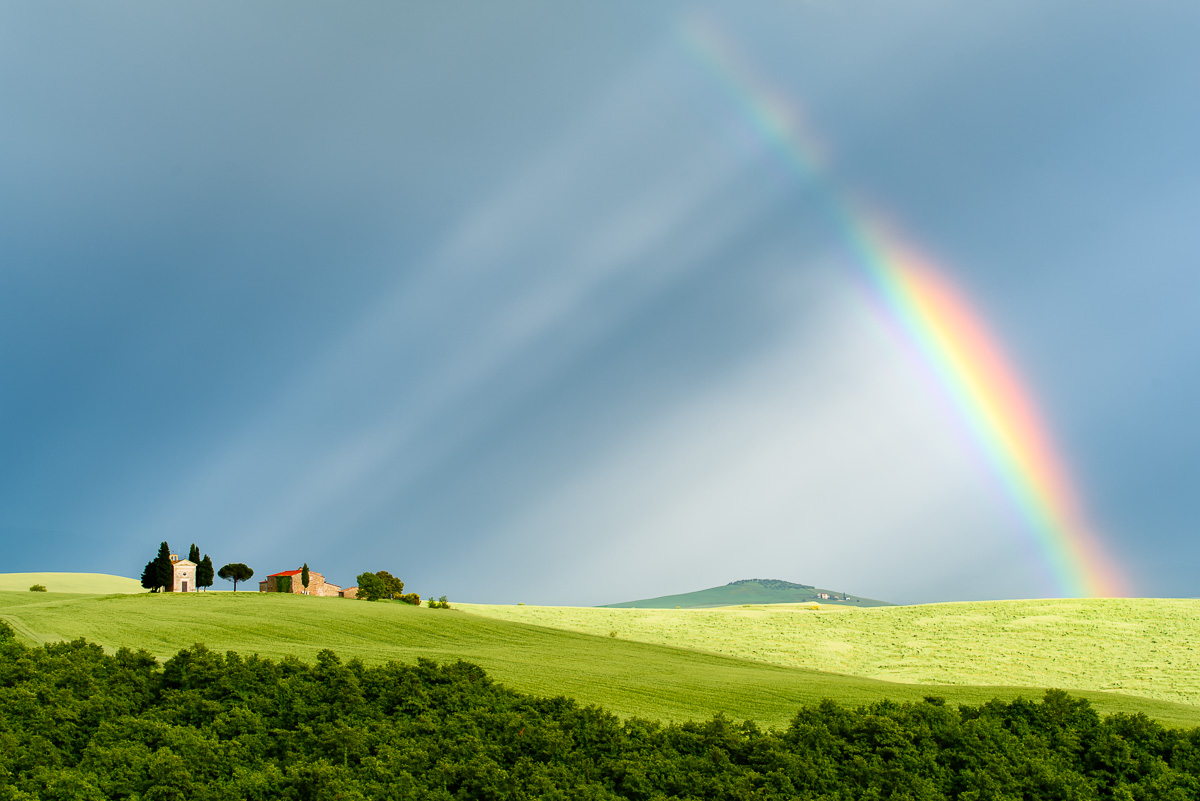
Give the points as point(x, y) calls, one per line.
point(76, 723)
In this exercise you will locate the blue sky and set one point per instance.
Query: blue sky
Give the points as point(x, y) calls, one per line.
point(516, 303)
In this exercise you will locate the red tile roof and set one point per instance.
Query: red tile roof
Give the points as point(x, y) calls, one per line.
point(286, 573)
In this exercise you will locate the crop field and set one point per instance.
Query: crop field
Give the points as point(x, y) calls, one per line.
point(1146, 647)
point(627, 677)
point(69, 582)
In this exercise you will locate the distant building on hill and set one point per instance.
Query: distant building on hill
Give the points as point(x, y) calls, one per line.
point(289, 581)
point(183, 575)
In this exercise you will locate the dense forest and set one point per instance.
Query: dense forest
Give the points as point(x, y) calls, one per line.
point(76, 723)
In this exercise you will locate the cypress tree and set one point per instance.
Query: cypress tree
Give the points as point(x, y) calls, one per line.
point(204, 573)
point(304, 575)
point(194, 554)
point(164, 571)
point(150, 576)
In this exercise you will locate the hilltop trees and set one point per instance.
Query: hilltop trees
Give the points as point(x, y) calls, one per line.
point(159, 573)
point(150, 577)
point(204, 573)
point(392, 586)
point(164, 571)
point(235, 572)
point(380, 584)
point(370, 587)
point(194, 554)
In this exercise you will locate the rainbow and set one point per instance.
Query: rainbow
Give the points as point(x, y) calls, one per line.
point(944, 327)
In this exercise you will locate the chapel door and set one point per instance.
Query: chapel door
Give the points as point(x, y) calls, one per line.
point(185, 585)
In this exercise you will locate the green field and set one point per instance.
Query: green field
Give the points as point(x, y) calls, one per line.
point(69, 582)
point(749, 591)
point(1147, 647)
point(627, 677)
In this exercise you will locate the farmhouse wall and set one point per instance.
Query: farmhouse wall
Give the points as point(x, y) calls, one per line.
point(349, 592)
point(317, 585)
point(316, 582)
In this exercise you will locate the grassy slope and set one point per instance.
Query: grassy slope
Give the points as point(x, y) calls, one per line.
point(629, 678)
point(749, 592)
point(69, 582)
point(1148, 647)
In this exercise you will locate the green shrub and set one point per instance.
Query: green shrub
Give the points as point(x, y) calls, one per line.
point(440, 603)
point(38, 588)
point(410, 598)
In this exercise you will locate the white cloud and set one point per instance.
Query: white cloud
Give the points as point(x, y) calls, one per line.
point(826, 461)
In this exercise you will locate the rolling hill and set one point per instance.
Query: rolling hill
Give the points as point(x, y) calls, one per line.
point(651, 680)
point(750, 591)
point(69, 582)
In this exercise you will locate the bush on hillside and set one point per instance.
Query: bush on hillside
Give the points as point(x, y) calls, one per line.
point(38, 588)
point(410, 598)
point(440, 603)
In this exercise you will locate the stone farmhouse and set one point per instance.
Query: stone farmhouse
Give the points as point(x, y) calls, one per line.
point(183, 577)
point(289, 581)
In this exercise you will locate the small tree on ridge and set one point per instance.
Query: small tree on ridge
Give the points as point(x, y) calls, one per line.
point(235, 572)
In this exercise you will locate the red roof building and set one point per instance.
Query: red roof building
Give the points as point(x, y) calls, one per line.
point(289, 581)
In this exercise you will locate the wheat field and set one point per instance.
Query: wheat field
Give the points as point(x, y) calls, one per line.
point(1149, 647)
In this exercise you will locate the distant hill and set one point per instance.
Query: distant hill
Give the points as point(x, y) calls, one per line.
point(750, 591)
point(99, 583)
